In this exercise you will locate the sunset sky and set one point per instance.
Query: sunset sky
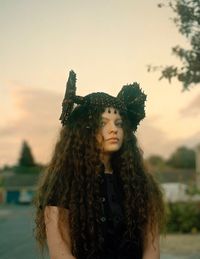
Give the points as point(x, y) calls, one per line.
point(108, 43)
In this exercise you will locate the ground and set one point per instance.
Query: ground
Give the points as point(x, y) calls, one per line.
point(17, 241)
point(181, 244)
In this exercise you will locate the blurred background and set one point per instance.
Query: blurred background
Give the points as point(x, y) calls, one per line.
point(108, 43)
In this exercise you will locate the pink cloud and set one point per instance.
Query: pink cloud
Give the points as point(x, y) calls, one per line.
point(38, 123)
point(154, 140)
point(193, 109)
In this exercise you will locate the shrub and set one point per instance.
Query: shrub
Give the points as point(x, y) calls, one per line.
point(183, 217)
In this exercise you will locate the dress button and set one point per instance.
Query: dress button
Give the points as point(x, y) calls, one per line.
point(103, 219)
point(103, 199)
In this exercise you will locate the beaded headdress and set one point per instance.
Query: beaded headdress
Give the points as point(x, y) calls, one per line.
point(129, 100)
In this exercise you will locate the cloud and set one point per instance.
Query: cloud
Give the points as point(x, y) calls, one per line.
point(37, 123)
point(154, 140)
point(193, 109)
point(193, 140)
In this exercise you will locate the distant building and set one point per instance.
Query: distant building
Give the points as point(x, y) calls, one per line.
point(175, 191)
point(18, 188)
point(177, 182)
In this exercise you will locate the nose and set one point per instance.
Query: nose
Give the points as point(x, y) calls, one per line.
point(113, 128)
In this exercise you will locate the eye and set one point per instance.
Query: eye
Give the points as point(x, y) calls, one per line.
point(119, 124)
point(102, 123)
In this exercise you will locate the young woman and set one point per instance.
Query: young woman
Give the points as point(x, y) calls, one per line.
point(96, 200)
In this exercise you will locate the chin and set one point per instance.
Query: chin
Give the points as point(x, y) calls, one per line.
point(111, 149)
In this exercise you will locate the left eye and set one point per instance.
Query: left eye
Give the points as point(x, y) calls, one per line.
point(102, 124)
point(119, 124)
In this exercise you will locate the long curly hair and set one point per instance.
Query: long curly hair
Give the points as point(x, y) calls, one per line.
point(72, 178)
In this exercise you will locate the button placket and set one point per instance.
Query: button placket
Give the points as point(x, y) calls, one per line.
point(103, 199)
point(103, 219)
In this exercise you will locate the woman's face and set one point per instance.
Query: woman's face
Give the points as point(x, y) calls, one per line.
point(111, 134)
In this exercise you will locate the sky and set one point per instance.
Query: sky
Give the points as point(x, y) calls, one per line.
point(108, 43)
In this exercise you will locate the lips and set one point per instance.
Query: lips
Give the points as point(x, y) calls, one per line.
point(113, 139)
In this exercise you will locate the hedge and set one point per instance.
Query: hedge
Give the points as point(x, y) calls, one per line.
point(183, 217)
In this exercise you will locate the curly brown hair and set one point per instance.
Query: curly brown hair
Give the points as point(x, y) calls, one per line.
point(75, 167)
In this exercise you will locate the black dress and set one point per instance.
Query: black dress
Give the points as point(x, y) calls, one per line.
point(115, 244)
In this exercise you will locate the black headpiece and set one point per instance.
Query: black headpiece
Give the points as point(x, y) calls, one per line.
point(129, 100)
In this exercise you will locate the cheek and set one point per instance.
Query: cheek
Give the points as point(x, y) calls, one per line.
point(102, 134)
point(100, 137)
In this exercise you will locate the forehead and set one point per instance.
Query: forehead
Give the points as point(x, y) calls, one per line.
point(111, 112)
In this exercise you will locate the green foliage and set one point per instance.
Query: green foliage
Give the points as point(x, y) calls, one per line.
point(26, 157)
point(156, 161)
point(28, 169)
point(183, 157)
point(187, 20)
point(6, 168)
point(1, 181)
point(193, 190)
point(183, 217)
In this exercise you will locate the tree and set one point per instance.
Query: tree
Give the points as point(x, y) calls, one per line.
point(187, 20)
point(183, 157)
point(156, 160)
point(26, 157)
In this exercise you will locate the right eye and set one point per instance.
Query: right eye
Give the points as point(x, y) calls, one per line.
point(102, 123)
point(119, 124)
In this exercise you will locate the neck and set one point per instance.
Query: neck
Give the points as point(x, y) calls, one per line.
point(105, 159)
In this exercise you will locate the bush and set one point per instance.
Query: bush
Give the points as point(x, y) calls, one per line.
point(183, 217)
point(28, 169)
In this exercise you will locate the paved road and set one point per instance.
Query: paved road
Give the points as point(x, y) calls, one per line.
point(16, 235)
point(16, 238)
